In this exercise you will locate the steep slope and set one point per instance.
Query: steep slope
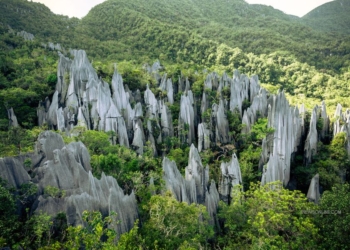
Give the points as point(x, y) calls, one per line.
point(330, 17)
point(198, 27)
point(35, 18)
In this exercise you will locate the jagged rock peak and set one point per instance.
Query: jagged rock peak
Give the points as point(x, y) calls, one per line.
point(67, 167)
point(230, 177)
point(195, 171)
point(312, 138)
point(12, 118)
point(186, 119)
point(313, 193)
point(287, 125)
point(192, 188)
point(325, 121)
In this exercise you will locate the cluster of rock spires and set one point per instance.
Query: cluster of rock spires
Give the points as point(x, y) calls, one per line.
point(83, 99)
point(342, 124)
point(67, 167)
point(194, 187)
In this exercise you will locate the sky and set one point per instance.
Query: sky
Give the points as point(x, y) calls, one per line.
point(293, 7)
point(80, 8)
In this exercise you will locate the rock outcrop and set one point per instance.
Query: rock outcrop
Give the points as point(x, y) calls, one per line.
point(312, 137)
point(313, 193)
point(67, 168)
point(82, 99)
point(230, 177)
point(12, 118)
point(194, 187)
point(26, 36)
point(287, 125)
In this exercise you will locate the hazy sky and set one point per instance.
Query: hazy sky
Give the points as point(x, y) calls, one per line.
point(293, 7)
point(80, 8)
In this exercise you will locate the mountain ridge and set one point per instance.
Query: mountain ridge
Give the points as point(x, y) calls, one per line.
point(332, 17)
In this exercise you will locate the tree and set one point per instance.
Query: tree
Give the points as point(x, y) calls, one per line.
point(334, 217)
point(97, 233)
point(268, 217)
point(171, 223)
point(8, 219)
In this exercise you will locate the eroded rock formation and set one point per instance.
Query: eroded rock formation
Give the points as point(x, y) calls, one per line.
point(193, 188)
point(67, 168)
point(313, 193)
point(230, 177)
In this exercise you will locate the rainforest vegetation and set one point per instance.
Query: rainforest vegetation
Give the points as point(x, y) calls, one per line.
point(189, 38)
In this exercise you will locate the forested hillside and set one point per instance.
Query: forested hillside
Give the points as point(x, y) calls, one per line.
point(174, 125)
point(330, 17)
point(183, 26)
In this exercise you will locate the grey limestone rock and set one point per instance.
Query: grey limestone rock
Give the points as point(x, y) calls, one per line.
point(195, 171)
point(82, 121)
point(151, 101)
point(346, 129)
point(12, 118)
point(230, 177)
point(68, 168)
point(176, 183)
point(63, 69)
point(313, 193)
point(338, 115)
point(192, 188)
point(26, 36)
point(47, 142)
point(61, 125)
point(138, 112)
point(203, 137)
point(222, 129)
point(287, 125)
point(120, 98)
point(254, 87)
point(239, 92)
point(122, 133)
point(53, 46)
point(212, 199)
point(325, 121)
point(166, 122)
point(52, 113)
point(167, 85)
point(258, 109)
point(139, 137)
point(312, 138)
point(81, 154)
point(204, 104)
point(12, 170)
point(186, 119)
point(112, 117)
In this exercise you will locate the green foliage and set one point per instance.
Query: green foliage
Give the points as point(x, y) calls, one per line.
point(268, 217)
point(331, 162)
point(54, 192)
point(90, 236)
point(8, 219)
point(260, 130)
point(95, 141)
point(37, 231)
point(26, 192)
point(180, 156)
point(131, 240)
point(171, 223)
point(331, 17)
point(334, 217)
point(250, 151)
